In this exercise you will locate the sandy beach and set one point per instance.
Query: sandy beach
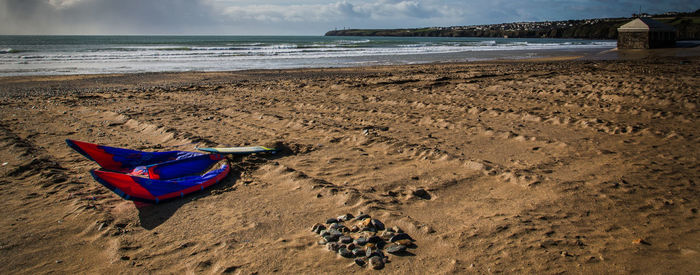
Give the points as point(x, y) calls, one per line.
point(540, 166)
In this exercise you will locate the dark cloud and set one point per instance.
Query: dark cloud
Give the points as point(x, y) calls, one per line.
point(105, 16)
point(302, 17)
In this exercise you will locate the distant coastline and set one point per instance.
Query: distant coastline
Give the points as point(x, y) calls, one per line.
point(687, 24)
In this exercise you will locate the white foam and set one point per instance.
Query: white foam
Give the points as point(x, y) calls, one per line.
point(262, 55)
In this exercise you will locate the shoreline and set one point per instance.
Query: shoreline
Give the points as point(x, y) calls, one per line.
point(686, 50)
point(83, 82)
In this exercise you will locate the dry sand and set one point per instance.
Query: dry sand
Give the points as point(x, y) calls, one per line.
point(530, 167)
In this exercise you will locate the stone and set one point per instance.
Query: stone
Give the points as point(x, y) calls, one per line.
point(421, 193)
point(369, 251)
point(354, 228)
point(369, 229)
point(345, 239)
point(376, 262)
point(335, 232)
point(331, 235)
point(386, 235)
point(361, 241)
point(336, 226)
point(330, 238)
point(345, 252)
point(331, 220)
point(317, 228)
point(362, 217)
point(365, 223)
point(396, 229)
point(345, 217)
point(374, 239)
point(358, 252)
point(351, 246)
point(322, 242)
point(395, 248)
point(360, 262)
point(333, 247)
point(641, 241)
point(400, 236)
point(377, 224)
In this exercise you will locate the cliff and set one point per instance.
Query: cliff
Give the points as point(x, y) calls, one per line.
point(687, 24)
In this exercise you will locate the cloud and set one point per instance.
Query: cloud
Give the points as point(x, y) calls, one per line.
point(103, 16)
point(63, 4)
point(333, 11)
point(300, 17)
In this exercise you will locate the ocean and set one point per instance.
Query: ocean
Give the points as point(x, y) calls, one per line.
point(61, 55)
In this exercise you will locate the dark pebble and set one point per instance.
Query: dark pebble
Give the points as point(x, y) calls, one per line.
point(376, 262)
point(374, 239)
point(317, 228)
point(394, 249)
point(371, 252)
point(331, 220)
point(358, 252)
point(345, 239)
point(361, 241)
point(421, 193)
point(377, 224)
point(345, 252)
point(335, 226)
point(360, 262)
point(333, 246)
point(362, 217)
point(335, 232)
point(400, 236)
point(323, 233)
point(331, 238)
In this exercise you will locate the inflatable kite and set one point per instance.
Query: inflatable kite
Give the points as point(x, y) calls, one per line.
point(152, 176)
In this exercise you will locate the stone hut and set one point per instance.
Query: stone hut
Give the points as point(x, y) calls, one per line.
point(645, 33)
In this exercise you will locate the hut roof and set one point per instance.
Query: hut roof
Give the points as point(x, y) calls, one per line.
point(645, 24)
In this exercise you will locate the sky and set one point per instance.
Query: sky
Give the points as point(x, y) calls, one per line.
point(301, 17)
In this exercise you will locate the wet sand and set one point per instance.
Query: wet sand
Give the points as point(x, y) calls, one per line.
point(544, 166)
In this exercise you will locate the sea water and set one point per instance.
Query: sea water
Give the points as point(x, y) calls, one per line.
point(56, 55)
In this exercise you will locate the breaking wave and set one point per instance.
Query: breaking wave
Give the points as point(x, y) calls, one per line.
point(148, 54)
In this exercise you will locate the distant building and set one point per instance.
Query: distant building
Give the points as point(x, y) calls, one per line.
point(645, 33)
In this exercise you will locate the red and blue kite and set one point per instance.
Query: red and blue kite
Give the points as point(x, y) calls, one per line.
point(151, 177)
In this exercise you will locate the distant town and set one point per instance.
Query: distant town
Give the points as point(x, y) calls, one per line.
point(687, 24)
